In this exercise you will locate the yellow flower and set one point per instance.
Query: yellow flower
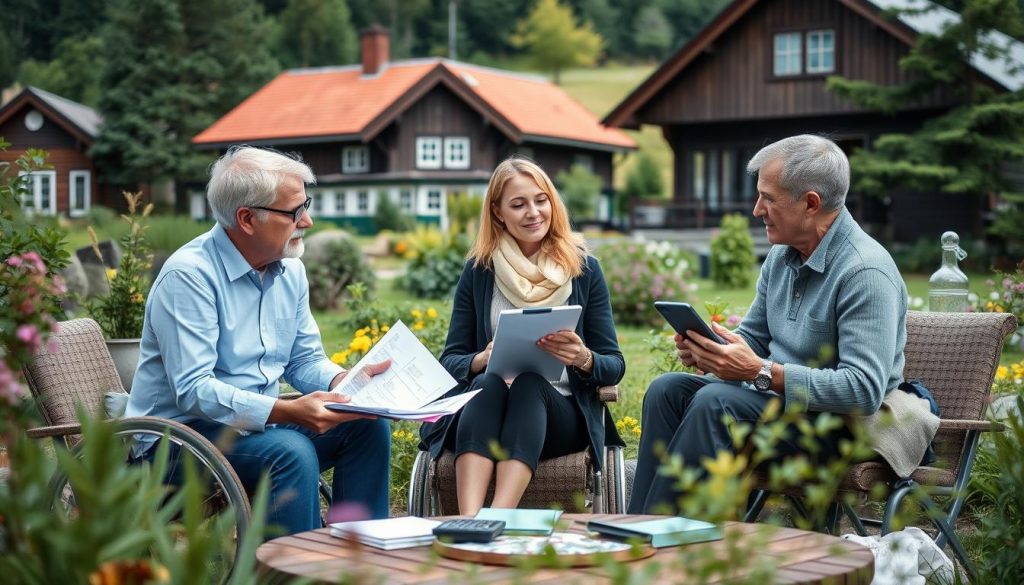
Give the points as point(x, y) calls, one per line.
point(111, 273)
point(361, 344)
point(417, 326)
point(384, 329)
point(636, 431)
point(340, 357)
point(416, 314)
point(137, 298)
point(432, 313)
point(1002, 373)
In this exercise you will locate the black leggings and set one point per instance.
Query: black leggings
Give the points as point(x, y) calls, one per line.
point(530, 420)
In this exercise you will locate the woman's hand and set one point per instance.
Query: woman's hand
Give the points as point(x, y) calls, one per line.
point(568, 348)
point(480, 360)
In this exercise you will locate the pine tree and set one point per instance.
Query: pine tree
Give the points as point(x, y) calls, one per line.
point(963, 151)
point(642, 182)
point(315, 33)
point(554, 41)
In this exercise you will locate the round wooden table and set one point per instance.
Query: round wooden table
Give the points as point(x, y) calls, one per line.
point(798, 556)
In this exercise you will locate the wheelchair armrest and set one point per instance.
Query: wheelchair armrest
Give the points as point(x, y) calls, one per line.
point(949, 424)
point(54, 431)
point(609, 393)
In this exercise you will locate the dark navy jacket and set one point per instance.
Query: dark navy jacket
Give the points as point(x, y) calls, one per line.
point(470, 331)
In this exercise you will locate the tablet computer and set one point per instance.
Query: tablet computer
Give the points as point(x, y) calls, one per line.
point(683, 317)
point(515, 340)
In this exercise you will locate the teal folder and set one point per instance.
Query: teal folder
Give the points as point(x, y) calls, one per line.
point(659, 533)
point(522, 521)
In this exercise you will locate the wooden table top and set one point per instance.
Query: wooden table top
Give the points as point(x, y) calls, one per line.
point(798, 556)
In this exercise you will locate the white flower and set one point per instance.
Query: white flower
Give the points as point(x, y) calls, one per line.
point(683, 264)
point(917, 302)
point(993, 295)
point(670, 262)
point(972, 297)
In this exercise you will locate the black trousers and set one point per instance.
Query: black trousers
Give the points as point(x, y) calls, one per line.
point(683, 413)
point(529, 420)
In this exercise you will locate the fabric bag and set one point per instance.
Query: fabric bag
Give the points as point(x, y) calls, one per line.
point(906, 557)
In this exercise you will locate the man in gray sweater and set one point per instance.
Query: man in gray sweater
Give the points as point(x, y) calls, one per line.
point(828, 295)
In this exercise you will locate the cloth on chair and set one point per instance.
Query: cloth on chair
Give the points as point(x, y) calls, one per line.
point(902, 430)
point(906, 557)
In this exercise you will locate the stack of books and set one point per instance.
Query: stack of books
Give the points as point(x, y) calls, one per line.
point(389, 533)
point(522, 521)
point(659, 533)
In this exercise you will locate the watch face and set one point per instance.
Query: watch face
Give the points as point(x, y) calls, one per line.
point(762, 382)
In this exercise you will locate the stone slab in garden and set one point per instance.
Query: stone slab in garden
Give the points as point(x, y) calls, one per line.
point(318, 244)
point(96, 271)
point(1003, 406)
point(77, 283)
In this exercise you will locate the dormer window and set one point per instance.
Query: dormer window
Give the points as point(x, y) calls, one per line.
point(355, 159)
point(428, 152)
point(456, 152)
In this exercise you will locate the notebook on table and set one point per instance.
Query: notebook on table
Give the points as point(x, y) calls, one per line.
point(522, 522)
point(659, 533)
point(388, 533)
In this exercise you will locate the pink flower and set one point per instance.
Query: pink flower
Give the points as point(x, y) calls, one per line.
point(733, 321)
point(14, 261)
point(29, 335)
point(10, 389)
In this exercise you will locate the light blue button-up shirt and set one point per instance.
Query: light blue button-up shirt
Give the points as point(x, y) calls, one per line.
point(218, 336)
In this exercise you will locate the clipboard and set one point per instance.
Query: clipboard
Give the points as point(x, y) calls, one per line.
point(515, 348)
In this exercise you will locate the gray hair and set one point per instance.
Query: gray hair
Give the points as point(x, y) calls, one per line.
point(809, 163)
point(249, 177)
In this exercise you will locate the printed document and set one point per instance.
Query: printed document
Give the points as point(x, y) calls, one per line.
point(408, 389)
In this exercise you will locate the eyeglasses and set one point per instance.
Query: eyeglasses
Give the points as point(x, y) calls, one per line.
point(294, 213)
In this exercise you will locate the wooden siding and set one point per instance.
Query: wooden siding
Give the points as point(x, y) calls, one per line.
point(50, 137)
point(555, 159)
point(63, 161)
point(441, 113)
point(733, 79)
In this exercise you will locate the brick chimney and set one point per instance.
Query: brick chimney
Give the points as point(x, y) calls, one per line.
point(375, 43)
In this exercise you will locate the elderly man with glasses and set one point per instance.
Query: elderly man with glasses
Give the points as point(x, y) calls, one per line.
point(227, 317)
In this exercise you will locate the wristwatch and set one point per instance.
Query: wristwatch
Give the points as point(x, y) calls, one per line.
point(763, 380)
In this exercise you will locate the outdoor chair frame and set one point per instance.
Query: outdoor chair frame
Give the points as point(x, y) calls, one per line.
point(557, 481)
point(956, 356)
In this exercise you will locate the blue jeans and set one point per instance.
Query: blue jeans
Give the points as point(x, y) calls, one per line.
point(293, 456)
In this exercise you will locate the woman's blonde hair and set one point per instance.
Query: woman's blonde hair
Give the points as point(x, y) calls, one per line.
point(564, 246)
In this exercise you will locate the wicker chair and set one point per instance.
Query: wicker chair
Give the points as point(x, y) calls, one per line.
point(956, 356)
point(557, 482)
point(81, 372)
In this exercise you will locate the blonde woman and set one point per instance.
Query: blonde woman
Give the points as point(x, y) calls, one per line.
point(525, 255)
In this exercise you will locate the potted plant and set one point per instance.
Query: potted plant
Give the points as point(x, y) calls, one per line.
point(120, 313)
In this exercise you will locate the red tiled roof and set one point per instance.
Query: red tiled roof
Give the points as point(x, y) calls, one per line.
point(341, 102)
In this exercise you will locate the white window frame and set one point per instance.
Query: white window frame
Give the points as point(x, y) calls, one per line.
point(435, 146)
point(316, 207)
point(363, 202)
point(35, 192)
point(820, 51)
point(407, 200)
point(451, 146)
point(355, 159)
point(787, 53)
point(73, 176)
point(341, 203)
point(429, 200)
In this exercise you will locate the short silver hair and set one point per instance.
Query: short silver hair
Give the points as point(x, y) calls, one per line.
point(809, 163)
point(249, 177)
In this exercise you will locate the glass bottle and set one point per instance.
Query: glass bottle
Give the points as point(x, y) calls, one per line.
point(947, 288)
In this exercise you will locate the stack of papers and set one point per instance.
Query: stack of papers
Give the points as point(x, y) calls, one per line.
point(408, 390)
point(522, 522)
point(659, 533)
point(389, 533)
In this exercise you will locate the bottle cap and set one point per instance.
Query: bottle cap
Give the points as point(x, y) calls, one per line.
point(951, 241)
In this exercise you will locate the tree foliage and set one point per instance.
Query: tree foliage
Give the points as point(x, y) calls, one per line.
point(643, 181)
point(314, 33)
point(580, 189)
point(554, 41)
point(965, 150)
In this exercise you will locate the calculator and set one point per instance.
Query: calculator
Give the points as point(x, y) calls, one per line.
point(469, 530)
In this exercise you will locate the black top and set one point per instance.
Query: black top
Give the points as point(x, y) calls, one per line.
point(470, 331)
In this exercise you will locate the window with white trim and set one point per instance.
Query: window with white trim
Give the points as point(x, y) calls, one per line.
point(355, 159)
point(80, 193)
point(340, 202)
point(363, 201)
point(428, 152)
point(405, 201)
point(41, 193)
point(434, 200)
point(787, 53)
point(456, 152)
point(821, 51)
point(316, 207)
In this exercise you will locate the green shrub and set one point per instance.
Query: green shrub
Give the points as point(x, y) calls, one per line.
point(464, 212)
point(1002, 529)
point(732, 253)
point(342, 264)
point(642, 182)
point(639, 274)
point(580, 190)
point(389, 217)
point(436, 264)
point(167, 233)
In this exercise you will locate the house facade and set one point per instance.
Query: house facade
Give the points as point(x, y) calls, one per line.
point(35, 118)
point(757, 73)
point(414, 131)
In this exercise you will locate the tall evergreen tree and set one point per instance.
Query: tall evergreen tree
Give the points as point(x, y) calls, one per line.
point(653, 33)
point(170, 68)
point(554, 41)
point(963, 151)
point(315, 33)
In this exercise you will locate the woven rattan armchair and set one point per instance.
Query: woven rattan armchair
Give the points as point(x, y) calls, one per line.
point(557, 482)
point(956, 356)
point(80, 372)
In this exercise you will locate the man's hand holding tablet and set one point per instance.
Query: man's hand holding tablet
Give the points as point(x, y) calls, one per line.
point(712, 349)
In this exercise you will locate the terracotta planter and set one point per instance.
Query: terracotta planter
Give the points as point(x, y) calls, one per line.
point(125, 353)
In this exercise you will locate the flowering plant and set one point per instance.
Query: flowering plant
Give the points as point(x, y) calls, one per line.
point(638, 274)
point(25, 322)
point(1006, 295)
point(120, 313)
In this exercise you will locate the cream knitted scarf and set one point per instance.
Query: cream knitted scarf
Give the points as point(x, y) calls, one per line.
point(536, 281)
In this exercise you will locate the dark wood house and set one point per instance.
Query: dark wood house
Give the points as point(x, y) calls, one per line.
point(415, 131)
point(757, 73)
point(65, 129)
